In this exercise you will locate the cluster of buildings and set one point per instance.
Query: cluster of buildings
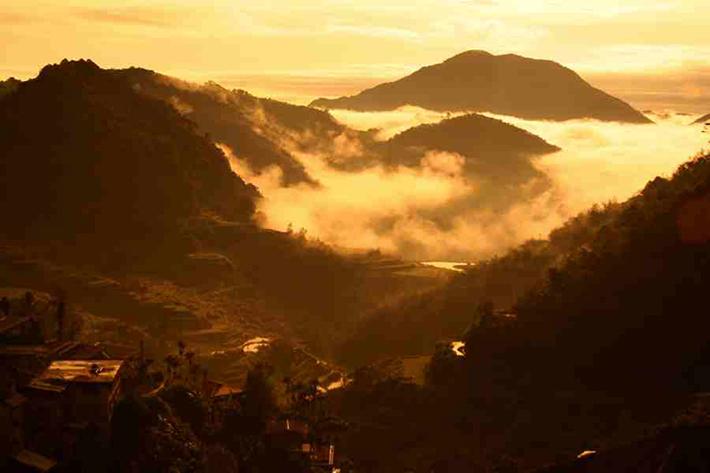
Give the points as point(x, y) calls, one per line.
point(50, 389)
point(54, 389)
point(296, 437)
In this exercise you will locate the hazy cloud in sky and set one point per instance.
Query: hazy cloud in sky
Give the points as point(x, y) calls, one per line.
point(390, 123)
point(140, 15)
point(282, 36)
point(676, 88)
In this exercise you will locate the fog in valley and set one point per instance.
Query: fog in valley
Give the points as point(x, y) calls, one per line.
point(396, 210)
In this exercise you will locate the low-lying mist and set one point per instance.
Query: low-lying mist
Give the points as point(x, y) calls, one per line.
point(417, 213)
point(610, 161)
point(391, 122)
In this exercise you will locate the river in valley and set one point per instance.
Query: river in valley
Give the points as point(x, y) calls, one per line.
point(451, 265)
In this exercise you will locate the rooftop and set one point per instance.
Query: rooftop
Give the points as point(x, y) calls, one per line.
point(212, 388)
point(35, 460)
point(80, 371)
point(8, 322)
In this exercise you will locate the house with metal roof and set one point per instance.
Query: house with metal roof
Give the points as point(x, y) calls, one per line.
point(85, 389)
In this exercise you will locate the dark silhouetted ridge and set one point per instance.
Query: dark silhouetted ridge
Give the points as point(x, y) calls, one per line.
point(476, 136)
point(507, 84)
point(84, 154)
point(702, 120)
point(232, 117)
point(8, 86)
point(496, 153)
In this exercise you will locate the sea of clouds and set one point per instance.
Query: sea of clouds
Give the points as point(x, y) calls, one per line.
point(416, 212)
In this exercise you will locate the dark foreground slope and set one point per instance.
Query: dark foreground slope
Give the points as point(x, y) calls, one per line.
point(506, 84)
point(628, 306)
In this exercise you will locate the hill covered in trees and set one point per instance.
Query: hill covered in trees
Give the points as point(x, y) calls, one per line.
point(87, 158)
point(627, 306)
point(508, 84)
point(494, 150)
point(414, 325)
point(252, 127)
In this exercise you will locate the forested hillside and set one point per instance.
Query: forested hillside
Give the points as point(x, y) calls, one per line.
point(85, 157)
point(617, 289)
point(416, 324)
point(252, 127)
point(609, 308)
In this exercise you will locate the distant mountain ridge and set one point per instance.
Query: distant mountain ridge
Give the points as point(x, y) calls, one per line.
point(509, 84)
point(702, 120)
point(237, 119)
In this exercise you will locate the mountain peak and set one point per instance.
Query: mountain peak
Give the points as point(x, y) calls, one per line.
point(508, 84)
point(72, 71)
point(471, 53)
point(71, 66)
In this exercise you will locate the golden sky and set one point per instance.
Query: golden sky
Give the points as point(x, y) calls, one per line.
point(651, 53)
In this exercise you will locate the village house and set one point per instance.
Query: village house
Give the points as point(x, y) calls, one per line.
point(85, 389)
point(217, 391)
point(289, 435)
point(14, 456)
point(50, 387)
point(11, 418)
point(67, 397)
point(27, 361)
point(295, 436)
